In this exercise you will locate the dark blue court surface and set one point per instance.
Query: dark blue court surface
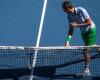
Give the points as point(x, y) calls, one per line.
point(19, 24)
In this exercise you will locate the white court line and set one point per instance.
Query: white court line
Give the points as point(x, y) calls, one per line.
point(38, 38)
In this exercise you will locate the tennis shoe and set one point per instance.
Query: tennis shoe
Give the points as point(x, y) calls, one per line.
point(85, 73)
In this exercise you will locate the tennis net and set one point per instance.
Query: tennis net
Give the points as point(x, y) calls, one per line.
point(49, 61)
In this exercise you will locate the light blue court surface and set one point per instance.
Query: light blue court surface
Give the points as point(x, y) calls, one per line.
point(20, 19)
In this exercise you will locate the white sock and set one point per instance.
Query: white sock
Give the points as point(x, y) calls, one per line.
point(87, 66)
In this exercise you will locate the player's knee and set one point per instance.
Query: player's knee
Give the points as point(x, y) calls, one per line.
point(87, 50)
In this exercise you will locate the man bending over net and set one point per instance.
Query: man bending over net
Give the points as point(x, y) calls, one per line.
point(79, 17)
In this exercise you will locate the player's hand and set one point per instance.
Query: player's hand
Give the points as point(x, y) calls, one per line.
point(67, 45)
point(73, 24)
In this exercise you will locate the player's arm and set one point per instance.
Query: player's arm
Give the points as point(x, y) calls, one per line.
point(70, 33)
point(87, 22)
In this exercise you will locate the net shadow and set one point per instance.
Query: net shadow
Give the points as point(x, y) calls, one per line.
point(13, 73)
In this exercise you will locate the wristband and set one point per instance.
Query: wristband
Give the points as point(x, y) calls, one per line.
point(68, 38)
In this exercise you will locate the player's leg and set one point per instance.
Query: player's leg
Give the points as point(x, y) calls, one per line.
point(86, 71)
point(89, 40)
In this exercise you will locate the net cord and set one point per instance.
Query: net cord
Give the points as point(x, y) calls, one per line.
point(46, 47)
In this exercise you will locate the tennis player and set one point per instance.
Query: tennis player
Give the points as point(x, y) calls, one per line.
point(78, 17)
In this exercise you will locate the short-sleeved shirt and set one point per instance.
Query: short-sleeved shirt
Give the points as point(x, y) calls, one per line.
point(79, 16)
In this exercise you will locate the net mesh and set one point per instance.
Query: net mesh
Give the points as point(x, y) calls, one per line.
point(49, 61)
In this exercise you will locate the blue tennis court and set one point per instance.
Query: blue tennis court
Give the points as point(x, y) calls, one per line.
point(19, 23)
